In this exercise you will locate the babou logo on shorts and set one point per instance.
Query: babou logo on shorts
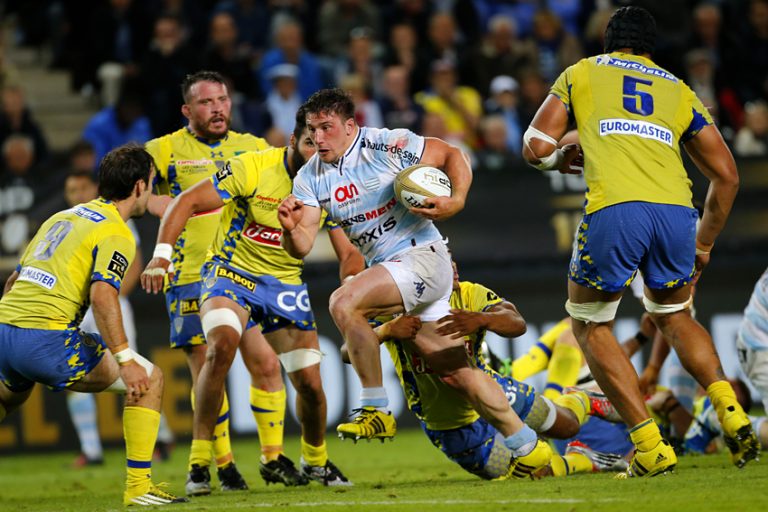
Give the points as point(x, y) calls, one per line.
point(264, 235)
point(236, 278)
point(190, 307)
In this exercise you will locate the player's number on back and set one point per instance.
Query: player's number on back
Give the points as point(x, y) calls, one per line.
point(51, 240)
point(637, 101)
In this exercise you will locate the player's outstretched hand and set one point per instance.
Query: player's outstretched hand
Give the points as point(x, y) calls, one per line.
point(290, 212)
point(573, 163)
point(439, 208)
point(136, 380)
point(152, 277)
point(460, 323)
point(404, 327)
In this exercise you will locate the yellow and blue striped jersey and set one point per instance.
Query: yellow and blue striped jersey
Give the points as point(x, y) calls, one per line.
point(73, 248)
point(182, 160)
point(631, 116)
point(253, 185)
point(435, 403)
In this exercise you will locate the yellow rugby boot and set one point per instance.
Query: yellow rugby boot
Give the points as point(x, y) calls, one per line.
point(658, 461)
point(739, 437)
point(370, 423)
point(525, 466)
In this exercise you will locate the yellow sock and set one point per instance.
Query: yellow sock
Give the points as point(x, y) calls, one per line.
point(577, 402)
point(645, 435)
point(222, 447)
point(537, 357)
point(314, 455)
point(268, 409)
point(563, 369)
point(140, 430)
point(723, 398)
point(200, 453)
point(579, 463)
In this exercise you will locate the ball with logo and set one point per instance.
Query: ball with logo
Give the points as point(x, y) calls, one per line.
point(418, 182)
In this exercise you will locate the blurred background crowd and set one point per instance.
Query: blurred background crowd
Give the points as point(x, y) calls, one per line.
point(470, 71)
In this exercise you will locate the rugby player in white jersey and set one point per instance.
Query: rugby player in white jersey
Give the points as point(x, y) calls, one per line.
point(409, 268)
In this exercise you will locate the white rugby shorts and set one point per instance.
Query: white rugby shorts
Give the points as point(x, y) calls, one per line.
point(755, 366)
point(424, 277)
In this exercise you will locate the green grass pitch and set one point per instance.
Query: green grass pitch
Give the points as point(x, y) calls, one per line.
point(407, 474)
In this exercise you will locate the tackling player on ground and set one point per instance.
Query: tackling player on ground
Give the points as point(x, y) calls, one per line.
point(409, 269)
point(632, 117)
point(80, 256)
point(251, 285)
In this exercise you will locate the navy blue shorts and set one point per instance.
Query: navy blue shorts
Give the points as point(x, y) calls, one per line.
point(57, 359)
point(270, 303)
point(478, 448)
point(614, 242)
point(183, 304)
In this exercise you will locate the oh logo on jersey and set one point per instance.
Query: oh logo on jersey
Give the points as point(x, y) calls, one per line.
point(291, 301)
point(346, 192)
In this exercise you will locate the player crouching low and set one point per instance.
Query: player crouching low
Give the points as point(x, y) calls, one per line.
point(79, 256)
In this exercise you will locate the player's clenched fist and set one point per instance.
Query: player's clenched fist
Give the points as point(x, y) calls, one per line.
point(290, 212)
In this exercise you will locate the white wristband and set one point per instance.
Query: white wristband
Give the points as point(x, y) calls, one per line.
point(123, 356)
point(163, 251)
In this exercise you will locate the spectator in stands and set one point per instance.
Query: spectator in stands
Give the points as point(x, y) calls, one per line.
point(557, 49)
point(402, 51)
point(16, 118)
point(289, 49)
point(367, 112)
point(459, 106)
point(753, 62)
point(9, 75)
point(252, 18)
point(442, 45)
point(434, 125)
point(230, 58)
point(398, 110)
point(338, 18)
point(533, 92)
point(169, 60)
point(284, 100)
point(17, 194)
point(752, 138)
point(82, 157)
point(360, 59)
point(499, 53)
point(413, 13)
point(495, 155)
point(503, 103)
point(594, 32)
point(114, 126)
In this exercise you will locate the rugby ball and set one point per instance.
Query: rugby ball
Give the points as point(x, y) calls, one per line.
point(418, 182)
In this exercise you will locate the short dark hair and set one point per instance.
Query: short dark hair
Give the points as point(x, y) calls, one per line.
point(331, 101)
point(81, 173)
point(301, 122)
point(200, 76)
point(121, 168)
point(80, 147)
point(631, 27)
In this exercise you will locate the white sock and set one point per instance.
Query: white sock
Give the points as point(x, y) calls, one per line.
point(82, 410)
point(374, 397)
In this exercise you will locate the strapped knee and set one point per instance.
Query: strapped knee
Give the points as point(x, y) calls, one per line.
point(665, 309)
point(300, 358)
point(221, 317)
point(597, 312)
